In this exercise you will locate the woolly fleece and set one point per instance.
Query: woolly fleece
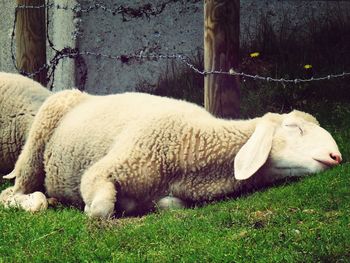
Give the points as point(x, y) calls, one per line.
point(128, 151)
point(20, 99)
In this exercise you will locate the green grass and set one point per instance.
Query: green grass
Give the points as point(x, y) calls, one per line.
point(307, 221)
point(304, 221)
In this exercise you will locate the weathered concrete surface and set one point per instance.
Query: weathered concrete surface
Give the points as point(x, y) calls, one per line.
point(178, 29)
point(7, 11)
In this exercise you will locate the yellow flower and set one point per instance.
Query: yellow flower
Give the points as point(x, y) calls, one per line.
point(307, 66)
point(254, 55)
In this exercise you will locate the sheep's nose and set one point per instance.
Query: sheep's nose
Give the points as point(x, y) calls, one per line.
point(336, 157)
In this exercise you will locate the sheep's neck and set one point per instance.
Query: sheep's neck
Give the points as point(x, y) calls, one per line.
point(214, 144)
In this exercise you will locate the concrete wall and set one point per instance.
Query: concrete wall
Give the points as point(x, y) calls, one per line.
point(7, 10)
point(177, 29)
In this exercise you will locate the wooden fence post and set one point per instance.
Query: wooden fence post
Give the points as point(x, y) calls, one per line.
point(221, 49)
point(31, 38)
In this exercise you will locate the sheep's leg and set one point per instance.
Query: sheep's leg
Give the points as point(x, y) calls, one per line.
point(98, 191)
point(29, 174)
point(100, 195)
point(98, 183)
point(29, 168)
point(29, 179)
point(119, 168)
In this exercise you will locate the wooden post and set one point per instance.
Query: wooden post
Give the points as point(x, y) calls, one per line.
point(31, 38)
point(221, 49)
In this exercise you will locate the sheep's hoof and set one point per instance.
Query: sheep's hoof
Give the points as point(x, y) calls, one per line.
point(6, 195)
point(100, 209)
point(34, 202)
point(10, 175)
point(170, 202)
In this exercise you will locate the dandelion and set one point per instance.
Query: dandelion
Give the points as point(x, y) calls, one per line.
point(254, 54)
point(307, 66)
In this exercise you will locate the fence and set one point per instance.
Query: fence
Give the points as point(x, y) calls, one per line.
point(144, 11)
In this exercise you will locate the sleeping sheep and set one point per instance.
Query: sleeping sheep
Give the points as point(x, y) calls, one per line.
point(132, 152)
point(20, 99)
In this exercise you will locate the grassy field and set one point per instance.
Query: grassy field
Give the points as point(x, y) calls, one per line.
point(303, 221)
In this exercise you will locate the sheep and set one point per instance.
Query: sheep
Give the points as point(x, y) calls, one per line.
point(129, 153)
point(20, 99)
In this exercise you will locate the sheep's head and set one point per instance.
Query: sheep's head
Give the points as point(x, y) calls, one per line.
point(287, 145)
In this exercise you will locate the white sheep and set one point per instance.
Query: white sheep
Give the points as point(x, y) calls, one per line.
point(129, 152)
point(20, 99)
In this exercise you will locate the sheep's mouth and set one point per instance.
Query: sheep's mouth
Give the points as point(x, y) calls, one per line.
point(325, 163)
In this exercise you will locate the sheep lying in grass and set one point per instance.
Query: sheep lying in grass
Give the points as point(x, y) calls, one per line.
point(20, 99)
point(128, 152)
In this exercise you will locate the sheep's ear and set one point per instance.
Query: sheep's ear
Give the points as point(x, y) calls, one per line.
point(255, 151)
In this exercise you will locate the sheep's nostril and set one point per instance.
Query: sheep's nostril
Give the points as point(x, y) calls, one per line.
point(336, 157)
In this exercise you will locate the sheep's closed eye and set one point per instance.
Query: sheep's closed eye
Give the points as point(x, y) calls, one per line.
point(295, 126)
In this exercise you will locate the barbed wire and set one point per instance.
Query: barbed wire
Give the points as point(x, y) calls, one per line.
point(145, 10)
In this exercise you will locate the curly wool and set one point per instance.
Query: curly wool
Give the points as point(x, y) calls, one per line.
point(20, 99)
